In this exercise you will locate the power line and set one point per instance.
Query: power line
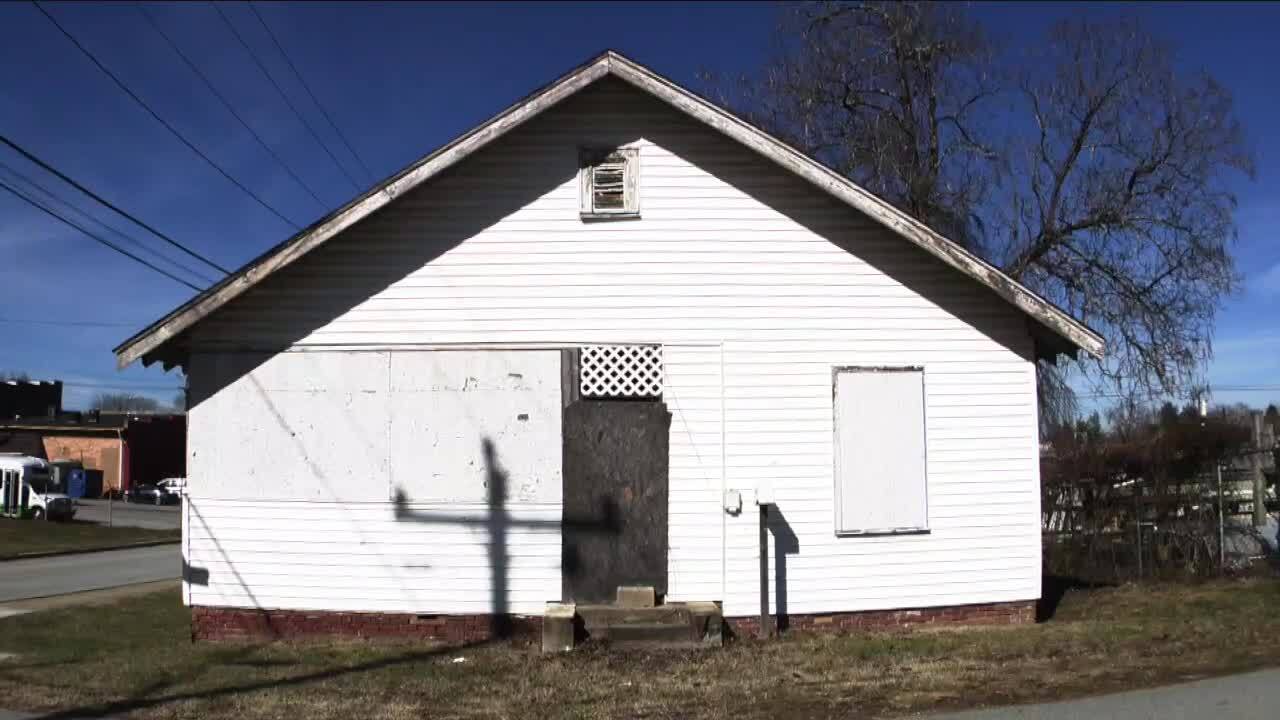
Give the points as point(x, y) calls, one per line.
point(174, 131)
point(120, 386)
point(72, 182)
point(227, 104)
point(50, 195)
point(301, 118)
point(328, 118)
point(108, 243)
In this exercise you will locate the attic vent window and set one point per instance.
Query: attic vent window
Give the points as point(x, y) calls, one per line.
point(608, 180)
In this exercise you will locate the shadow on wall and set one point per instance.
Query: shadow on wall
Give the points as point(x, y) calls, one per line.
point(497, 523)
point(785, 543)
point(434, 218)
point(369, 257)
point(199, 576)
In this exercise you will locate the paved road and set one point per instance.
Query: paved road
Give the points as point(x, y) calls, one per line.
point(1235, 697)
point(42, 577)
point(163, 517)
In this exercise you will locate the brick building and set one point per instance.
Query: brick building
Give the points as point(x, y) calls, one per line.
point(30, 398)
point(130, 449)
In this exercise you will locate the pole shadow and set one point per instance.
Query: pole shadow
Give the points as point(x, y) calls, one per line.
point(498, 523)
point(785, 543)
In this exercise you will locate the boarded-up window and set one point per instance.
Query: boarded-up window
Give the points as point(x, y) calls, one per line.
point(880, 451)
point(608, 182)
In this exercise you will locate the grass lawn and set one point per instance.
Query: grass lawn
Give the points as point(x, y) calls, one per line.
point(20, 537)
point(137, 657)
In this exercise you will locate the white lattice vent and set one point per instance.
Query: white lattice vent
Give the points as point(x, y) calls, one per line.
point(620, 371)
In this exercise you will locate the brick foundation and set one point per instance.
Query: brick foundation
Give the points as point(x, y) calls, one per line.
point(214, 623)
point(1009, 613)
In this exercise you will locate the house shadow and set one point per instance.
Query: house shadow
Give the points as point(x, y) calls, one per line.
point(1053, 588)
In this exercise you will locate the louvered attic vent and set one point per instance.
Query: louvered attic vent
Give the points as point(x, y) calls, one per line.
point(608, 181)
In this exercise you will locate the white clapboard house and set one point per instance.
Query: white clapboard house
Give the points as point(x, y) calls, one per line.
point(379, 405)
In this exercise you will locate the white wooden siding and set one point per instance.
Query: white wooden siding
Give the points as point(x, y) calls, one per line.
point(362, 557)
point(757, 286)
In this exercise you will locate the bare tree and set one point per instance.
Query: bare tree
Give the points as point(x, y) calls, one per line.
point(19, 376)
point(123, 402)
point(1086, 168)
point(1120, 211)
point(887, 94)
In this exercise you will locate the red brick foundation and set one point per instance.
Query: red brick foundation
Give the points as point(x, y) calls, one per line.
point(214, 623)
point(1009, 613)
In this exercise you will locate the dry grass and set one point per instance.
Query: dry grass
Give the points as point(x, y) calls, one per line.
point(136, 657)
point(23, 537)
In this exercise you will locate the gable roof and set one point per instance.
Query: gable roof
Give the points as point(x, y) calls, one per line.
point(145, 344)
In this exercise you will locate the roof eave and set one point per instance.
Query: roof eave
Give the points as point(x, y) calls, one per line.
point(153, 336)
point(143, 344)
point(879, 210)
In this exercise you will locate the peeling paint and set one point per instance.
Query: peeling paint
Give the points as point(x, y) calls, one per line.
point(343, 425)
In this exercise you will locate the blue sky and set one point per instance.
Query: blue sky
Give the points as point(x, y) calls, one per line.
point(400, 80)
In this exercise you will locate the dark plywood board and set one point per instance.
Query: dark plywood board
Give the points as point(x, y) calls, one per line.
point(615, 498)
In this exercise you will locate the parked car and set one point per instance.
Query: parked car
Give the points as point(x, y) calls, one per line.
point(175, 487)
point(24, 488)
point(150, 494)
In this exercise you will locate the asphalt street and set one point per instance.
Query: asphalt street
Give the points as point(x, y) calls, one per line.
point(122, 514)
point(1234, 697)
point(42, 577)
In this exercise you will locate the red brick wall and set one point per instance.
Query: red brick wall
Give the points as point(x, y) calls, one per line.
point(213, 623)
point(96, 453)
point(1010, 613)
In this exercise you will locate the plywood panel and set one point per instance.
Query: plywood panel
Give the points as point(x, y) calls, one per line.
point(880, 451)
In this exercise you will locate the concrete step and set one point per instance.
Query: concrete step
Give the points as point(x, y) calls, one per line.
point(605, 616)
point(650, 635)
point(684, 625)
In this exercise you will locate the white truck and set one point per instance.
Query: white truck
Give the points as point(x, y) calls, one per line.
point(24, 490)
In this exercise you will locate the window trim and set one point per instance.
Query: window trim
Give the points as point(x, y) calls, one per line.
point(836, 515)
point(630, 186)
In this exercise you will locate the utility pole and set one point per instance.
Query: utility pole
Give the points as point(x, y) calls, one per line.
point(1255, 469)
point(1137, 516)
point(1203, 405)
point(1222, 547)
